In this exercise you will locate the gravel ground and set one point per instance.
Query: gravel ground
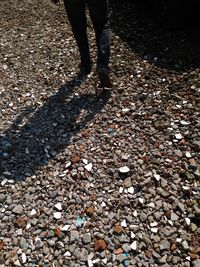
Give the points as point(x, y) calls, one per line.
point(97, 178)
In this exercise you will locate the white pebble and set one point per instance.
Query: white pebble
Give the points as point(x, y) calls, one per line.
point(90, 256)
point(141, 200)
point(85, 161)
point(90, 263)
point(178, 136)
point(24, 258)
point(131, 190)
point(28, 226)
point(121, 190)
point(187, 221)
point(124, 169)
point(152, 205)
point(104, 260)
point(134, 245)
point(4, 182)
point(157, 177)
point(19, 232)
point(96, 261)
point(103, 204)
point(184, 122)
point(68, 164)
point(135, 213)
point(67, 254)
point(170, 222)
point(88, 167)
point(186, 188)
point(65, 228)
point(132, 235)
point(153, 224)
point(58, 206)
point(154, 229)
point(57, 215)
point(187, 154)
point(125, 110)
point(33, 212)
point(123, 223)
point(17, 263)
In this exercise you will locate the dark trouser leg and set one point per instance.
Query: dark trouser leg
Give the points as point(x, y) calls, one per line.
point(76, 14)
point(100, 16)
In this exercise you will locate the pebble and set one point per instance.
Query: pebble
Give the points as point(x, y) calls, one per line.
point(131, 190)
point(88, 167)
point(74, 235)
point(33, 213)
point(57, 215)
point(179, 136)
point(196, 263)
point(154, 229)
point(2, 198)
point(124, 169)
point(134, 245)
point(193, 227)
point(124, 224)
point(67, 254)
point(24, 258)
point(18, 210)
point(187, 221)
point(185, 245)
point(58, 206)
point(164, 245)
point(174, 216)
point(17, 263)
point(65, 228)
point(157, 177)
point(87, 238)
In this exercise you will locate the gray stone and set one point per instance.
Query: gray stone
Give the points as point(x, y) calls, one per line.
point(174, 216)
point(77, 253)
point(164, 245)
point(86, 238)
point(163, 259)
point(181, 207)
point(2, 198)
point(143, 216)
point(84, 254)
point(158, 215)
point(18, 210)
point(74, 235)
point(111, 215)
point(185, 245)
point(121, 258)
point(126, 247)
point(45, 250)
point(196, 263)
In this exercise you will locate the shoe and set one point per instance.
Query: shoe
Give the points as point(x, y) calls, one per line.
point(104, 78)
point(85, 70)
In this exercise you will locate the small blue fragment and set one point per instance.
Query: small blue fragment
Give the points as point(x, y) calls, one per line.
point(80, 221)
point(126, 263)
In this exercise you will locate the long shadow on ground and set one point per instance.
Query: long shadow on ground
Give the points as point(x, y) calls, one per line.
point(38, 135)
point(170, 49)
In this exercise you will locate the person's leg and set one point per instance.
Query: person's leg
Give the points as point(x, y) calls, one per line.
point(76, 12)
point(100, 16)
